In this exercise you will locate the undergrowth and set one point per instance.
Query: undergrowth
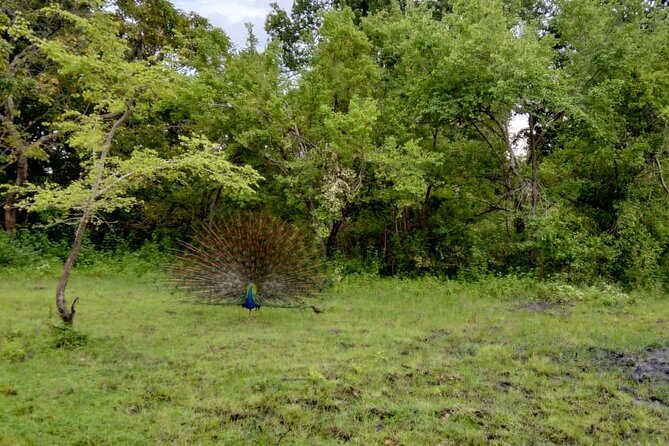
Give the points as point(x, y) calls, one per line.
point(37, 254)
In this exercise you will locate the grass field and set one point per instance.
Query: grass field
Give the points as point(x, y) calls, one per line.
point(388, 362)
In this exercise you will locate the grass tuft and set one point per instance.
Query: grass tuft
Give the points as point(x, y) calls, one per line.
point(67, 337)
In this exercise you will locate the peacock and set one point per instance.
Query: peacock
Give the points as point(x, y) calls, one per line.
point(253, 260)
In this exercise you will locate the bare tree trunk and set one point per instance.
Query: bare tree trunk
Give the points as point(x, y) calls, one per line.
point(334, 230)
point(10, 214)
point(406, 220)
point(21, 163)
point(65, 315)
point(424, 207)
point(659, 170)
point(10, 202)
point(534, 163)
point(68, 315)
point(332, 238)
point(211, 212)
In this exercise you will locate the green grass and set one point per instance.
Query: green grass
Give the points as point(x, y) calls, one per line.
point(388, 362)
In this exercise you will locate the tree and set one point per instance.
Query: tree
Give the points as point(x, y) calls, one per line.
point(612, 151)
point(298, 31)
point(114, 91)
point(333, 113)
point(29, 92)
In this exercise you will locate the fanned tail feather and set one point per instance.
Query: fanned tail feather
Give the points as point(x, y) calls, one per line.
point(285, 265)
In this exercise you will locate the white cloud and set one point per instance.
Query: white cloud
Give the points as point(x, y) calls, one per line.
point(231, 15)
point(235, 11)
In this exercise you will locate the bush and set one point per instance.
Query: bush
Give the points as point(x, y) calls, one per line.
point(638, 252)
point(565, 248)
point(41, 254)
point(10, 252)
point(65, 336)
point(15, 346)
point(25, 251)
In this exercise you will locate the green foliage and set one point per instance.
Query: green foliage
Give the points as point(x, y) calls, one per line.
point(525, 288)
point(637, 250)
point(566, 246)
point(15, 346)
point(41, 254)
point(66, 337)
point(32, 250)
point(368, 264)
point(387, 128)
point(297, 31)
point(9, 252)
point(405, 171)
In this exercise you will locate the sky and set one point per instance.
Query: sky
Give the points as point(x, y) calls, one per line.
point(231, 15)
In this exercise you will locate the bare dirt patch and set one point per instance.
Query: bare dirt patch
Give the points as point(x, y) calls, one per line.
point(650, 364)
point(653, 364)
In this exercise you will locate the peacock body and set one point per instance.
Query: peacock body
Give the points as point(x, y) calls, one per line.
point(250, 303)
point(253, 260)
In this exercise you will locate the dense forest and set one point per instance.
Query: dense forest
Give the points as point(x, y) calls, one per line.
point(446, 137)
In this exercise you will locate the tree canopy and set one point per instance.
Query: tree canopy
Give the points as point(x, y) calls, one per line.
point(443, 137)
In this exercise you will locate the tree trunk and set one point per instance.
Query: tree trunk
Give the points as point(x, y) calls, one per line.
point(659, 170)
point(211, 212)
point(10, 202)
point(19, 149)
point(332, 238)
point(334, 231)
point(534, 163)
point(424, 207)
point(68, 315)
point(65, 315)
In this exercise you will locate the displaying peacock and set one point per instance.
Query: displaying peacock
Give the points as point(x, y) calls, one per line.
point(253, 260)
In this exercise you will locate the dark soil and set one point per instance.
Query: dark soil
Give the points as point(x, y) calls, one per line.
point(651, 364)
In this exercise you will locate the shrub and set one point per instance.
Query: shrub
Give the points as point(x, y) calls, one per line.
point(14, 346)
point(65, 336)
point(565, 248)
point(10, 252)
point(637, 251)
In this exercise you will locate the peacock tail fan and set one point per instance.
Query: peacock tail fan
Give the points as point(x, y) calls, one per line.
point(282, 262)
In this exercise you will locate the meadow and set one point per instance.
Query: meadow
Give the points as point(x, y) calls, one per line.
point(392, 362)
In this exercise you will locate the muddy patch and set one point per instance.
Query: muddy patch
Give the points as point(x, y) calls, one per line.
point(651, 364)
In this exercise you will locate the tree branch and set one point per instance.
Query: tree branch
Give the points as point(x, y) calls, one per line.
point(557, 116)
point(44, 138)
point(20, 57)
point(659, 170)
point(492, 147)
point(116, 181)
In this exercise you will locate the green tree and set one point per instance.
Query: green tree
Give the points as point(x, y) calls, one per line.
point(333, 113)
point(114, 91)
point(613, 150)
point(29, 93)
point(297, 32)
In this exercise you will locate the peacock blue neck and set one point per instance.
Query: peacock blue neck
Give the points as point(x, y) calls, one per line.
point(250, 302)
